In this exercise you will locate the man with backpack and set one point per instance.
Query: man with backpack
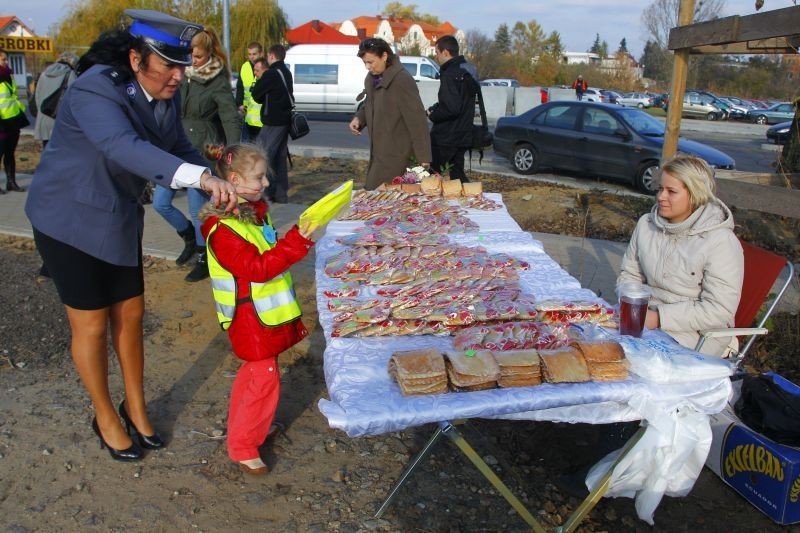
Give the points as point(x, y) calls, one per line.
point(452, 115)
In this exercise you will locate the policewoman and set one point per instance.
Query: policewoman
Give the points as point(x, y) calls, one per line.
point(117, 127)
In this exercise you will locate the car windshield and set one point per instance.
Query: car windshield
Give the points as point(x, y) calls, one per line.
point(642, 123)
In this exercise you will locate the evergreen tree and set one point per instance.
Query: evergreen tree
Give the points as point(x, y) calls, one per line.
point(595, 49)
point(623, 46)
point(502, 39)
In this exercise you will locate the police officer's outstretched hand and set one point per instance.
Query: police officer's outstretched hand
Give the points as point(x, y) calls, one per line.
point(222, 193)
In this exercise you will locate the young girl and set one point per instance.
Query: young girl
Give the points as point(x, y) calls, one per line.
point(254, 298)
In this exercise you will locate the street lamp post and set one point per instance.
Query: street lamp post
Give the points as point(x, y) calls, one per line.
point(226, 28)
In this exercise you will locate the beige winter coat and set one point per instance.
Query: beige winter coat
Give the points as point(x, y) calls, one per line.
point(397, 123)
point(695, 269)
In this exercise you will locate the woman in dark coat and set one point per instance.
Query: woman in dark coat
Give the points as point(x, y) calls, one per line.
point(394, 114)
point(209, 117)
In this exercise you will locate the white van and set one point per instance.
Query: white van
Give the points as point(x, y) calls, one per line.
point(421, 68)
point(327, 77)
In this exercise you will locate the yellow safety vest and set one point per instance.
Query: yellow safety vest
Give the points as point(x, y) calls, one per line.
point(252, 115)
point(274, 300)
point(10, 106)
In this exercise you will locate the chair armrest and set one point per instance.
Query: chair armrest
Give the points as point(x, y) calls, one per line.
point(731, 332)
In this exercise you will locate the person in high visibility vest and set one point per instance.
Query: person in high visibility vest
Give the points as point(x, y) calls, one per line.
point(245, 102)
point(12, 114)
point(254, 298)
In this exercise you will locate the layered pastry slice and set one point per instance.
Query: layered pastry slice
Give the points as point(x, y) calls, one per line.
point(419, 372)
point(519, 368)
point(564, 365)
point(472, 370)
point(605, 360)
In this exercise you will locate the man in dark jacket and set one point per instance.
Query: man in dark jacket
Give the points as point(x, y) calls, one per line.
point(273, 90)
point(452, 115)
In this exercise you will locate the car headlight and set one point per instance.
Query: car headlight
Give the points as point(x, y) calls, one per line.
point(782, 130)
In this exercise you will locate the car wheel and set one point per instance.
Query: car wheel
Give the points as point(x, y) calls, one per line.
point(640, 105)
point(646, 177)
point(761, 119)
point(524, 159)
point(711, 116)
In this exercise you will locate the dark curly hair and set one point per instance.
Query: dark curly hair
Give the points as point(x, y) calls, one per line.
point(112, 48)
point(377, 47)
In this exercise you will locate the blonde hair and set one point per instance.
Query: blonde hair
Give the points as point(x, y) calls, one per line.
point(696, 176)
point(209, 41)
point(238, 158)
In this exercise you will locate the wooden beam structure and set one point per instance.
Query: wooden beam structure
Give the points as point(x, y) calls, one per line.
point(772, 30)
point(680, 69)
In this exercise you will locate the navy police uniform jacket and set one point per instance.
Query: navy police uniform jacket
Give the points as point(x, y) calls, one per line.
point(106, 145)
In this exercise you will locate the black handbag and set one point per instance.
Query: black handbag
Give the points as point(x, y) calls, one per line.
point(481, 136)
point(49, 105)
point(298, 123)
point(768, 408)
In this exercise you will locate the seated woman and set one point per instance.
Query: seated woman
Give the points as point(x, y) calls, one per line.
point(686, 251)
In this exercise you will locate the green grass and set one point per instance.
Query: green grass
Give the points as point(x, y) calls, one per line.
point(656, 111)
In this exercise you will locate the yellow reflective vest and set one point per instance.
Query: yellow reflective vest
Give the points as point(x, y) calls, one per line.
point(274, 300)
point(252, 109)
point(10, 106)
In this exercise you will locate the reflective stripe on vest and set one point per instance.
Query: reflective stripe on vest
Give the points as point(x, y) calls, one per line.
point(273, 300)
point(252, 115)
point(10, 106)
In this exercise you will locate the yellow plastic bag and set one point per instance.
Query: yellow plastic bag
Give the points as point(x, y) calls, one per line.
point(326, 208)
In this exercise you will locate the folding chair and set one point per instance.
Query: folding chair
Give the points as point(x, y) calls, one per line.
point(761, 270)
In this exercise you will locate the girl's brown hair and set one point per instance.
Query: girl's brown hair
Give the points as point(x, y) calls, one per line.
point(238, 158)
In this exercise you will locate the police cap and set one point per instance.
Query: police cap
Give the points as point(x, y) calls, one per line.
point(168, 36)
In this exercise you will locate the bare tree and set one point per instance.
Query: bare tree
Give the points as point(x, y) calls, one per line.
point(480, 50)
point(662, 15)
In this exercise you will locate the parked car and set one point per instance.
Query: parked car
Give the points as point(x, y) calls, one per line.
point(658, 98)
point(502, 82)
point(613, 96)
point(696, 106)
point(736, 111)
point(639, 100)
point(594, 95)
point(779, 112)
point(779, 133)
point(586, 137)
point(421, 68)
point(710, 98)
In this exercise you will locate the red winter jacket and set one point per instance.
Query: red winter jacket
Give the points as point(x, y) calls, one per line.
point(251, 340)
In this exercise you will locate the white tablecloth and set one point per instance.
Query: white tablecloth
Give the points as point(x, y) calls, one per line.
point(365, 401)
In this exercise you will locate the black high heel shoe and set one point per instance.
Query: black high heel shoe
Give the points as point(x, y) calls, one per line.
point(151, 442)
point(132, 453)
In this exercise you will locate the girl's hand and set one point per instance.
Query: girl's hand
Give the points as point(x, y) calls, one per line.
point(222, 192)
point(307, 230)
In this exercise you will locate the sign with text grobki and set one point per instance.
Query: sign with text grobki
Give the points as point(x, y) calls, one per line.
point(41, 45)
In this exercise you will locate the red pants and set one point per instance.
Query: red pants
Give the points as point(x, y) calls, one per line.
point(254, 399)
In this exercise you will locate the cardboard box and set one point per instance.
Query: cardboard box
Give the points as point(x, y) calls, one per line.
point(766, 473)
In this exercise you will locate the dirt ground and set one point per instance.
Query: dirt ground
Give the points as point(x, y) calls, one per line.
point(53, 476)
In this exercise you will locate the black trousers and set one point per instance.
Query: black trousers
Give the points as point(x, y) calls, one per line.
point(452, 156)
point(8, 145)
point(275, 140)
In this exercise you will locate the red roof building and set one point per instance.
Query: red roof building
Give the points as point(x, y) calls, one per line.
point(317, 32)
point(405, 33)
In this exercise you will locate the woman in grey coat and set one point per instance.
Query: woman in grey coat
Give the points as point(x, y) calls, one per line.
point(686, 251)
point(210, 117)
point(49, 82)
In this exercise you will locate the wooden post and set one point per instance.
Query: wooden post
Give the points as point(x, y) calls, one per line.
point(679, 71)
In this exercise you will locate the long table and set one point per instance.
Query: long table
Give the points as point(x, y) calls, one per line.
point(672, 389)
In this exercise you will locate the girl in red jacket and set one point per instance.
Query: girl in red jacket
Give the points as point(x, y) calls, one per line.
point(254, 297)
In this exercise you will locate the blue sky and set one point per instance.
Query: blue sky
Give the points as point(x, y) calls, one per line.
point(576, 20)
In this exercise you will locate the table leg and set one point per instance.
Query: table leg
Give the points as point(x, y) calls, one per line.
point(591, 500)
point(452, 433)
point(415, 462)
